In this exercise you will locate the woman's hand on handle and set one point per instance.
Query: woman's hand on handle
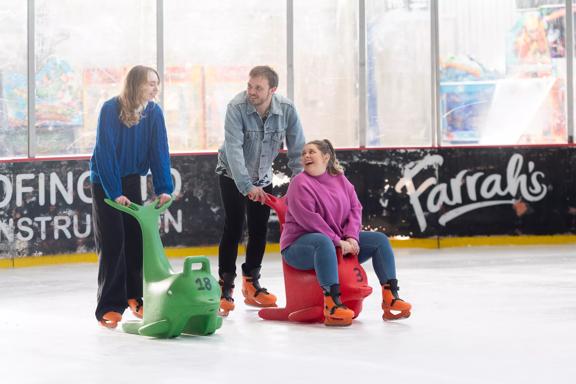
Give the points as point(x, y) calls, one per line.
point(163, 199)
point(346, 247)
point(354, 244)
point(123, 200)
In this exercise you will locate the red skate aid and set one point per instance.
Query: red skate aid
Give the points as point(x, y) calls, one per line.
point(304, 296)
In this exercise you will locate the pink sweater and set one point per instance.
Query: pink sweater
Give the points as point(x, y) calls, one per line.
point(325, 204)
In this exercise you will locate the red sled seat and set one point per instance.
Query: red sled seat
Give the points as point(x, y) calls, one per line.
point(304, 296)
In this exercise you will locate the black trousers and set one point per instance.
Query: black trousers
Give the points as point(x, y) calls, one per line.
point(119, 245)
point(236, 207)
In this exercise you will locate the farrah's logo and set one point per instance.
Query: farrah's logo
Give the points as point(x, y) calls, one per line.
point(483, 190)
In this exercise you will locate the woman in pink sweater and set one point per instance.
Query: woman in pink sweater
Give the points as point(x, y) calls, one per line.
point(324, 213)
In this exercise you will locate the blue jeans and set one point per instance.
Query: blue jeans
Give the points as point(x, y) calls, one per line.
point(316, 251)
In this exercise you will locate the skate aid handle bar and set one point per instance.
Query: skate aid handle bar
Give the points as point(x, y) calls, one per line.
point(191, 260)
point(136, 207)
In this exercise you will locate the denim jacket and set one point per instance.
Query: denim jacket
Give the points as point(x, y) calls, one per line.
point(250, 145)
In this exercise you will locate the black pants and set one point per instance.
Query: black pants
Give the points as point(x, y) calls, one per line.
point(119, 245)
point(236, 206)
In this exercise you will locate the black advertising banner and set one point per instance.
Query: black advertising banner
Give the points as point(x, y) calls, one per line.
point(45, 206)
point(466, 191)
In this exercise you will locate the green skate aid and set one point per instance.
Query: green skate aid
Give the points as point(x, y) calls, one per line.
point(174, 303)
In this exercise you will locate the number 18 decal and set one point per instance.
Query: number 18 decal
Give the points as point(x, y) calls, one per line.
point(204, 284)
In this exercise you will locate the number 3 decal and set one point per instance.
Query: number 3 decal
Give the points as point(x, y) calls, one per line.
point(359, 277)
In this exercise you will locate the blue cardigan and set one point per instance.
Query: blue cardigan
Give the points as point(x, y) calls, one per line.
point(121, 151)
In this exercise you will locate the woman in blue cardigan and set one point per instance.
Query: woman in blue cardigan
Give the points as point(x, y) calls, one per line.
point(131, 140)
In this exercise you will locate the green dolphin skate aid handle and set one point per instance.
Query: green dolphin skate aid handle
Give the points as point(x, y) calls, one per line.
point(174, 303)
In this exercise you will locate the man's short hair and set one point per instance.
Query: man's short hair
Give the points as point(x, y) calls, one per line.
point(267, 72)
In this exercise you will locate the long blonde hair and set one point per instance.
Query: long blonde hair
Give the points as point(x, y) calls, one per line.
point(131, 96)
point(325, 146)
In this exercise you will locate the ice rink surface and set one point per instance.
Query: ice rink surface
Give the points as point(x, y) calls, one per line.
point(481, 315)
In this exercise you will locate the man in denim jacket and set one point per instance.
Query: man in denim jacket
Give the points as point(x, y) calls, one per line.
point(257, 122)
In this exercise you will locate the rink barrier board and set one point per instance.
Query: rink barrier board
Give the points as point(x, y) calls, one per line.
point(428, 197)
point(177, 252)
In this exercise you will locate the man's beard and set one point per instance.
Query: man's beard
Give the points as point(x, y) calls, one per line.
point(255, 101)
